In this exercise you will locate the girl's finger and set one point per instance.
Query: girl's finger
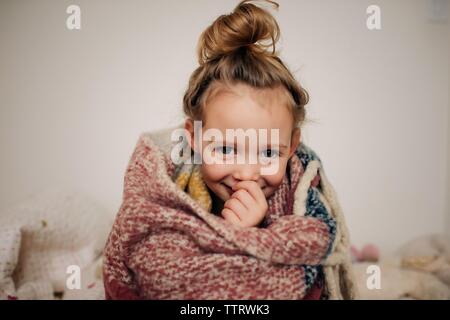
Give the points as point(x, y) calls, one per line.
point(230, 216)
point(245, 198)
point(253, 189)
point(236, 206)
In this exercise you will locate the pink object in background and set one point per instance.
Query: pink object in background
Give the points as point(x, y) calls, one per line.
point(355, 254)
point(369, 253)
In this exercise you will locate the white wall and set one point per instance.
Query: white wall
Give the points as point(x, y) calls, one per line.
point(448, 132)
point(73, 103)
point(380, 102)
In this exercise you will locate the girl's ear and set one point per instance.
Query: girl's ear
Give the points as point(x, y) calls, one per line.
point(189, 132)
point(295, 140)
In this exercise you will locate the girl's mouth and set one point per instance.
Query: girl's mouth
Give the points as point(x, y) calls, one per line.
point(229, 190)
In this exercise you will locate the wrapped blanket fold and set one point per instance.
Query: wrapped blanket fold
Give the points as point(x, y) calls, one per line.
point(165, 244)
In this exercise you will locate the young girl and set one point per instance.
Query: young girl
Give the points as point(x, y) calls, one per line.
point(229, 229)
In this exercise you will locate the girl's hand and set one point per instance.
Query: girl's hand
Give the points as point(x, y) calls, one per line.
point(247, 206)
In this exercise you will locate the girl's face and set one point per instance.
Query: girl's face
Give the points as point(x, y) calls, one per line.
point(246, 108)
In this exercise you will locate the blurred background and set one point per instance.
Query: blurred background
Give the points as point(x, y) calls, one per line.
point(74, 102)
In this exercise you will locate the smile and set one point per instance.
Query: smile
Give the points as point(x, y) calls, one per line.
point(230, 191)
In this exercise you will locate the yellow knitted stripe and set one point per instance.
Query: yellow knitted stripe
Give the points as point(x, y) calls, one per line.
point(182, 180)
point(198, 191)
point(196, 187)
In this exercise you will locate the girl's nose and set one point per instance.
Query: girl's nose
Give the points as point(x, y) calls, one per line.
point(247, 172)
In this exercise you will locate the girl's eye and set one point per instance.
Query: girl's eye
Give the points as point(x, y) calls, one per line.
point(270, 153)
point(226, 150)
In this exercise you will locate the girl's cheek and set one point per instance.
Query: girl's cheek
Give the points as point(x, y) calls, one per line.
point(276, 179)
point(213, 172)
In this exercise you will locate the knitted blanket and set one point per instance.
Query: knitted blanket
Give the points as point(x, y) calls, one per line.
point(165, 244)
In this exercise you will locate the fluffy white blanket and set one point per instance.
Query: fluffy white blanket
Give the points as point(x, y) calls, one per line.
point(44, 242)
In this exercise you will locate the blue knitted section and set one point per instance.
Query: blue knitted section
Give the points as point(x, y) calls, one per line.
point(310, 275)
point(315, 208)
point(306, 154)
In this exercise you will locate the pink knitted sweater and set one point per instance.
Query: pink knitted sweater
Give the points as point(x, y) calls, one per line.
point(164, 245)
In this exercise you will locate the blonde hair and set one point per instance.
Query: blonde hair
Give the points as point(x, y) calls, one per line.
point(235, 48)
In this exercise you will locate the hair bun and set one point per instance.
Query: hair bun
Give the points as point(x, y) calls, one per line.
point(247, 26)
